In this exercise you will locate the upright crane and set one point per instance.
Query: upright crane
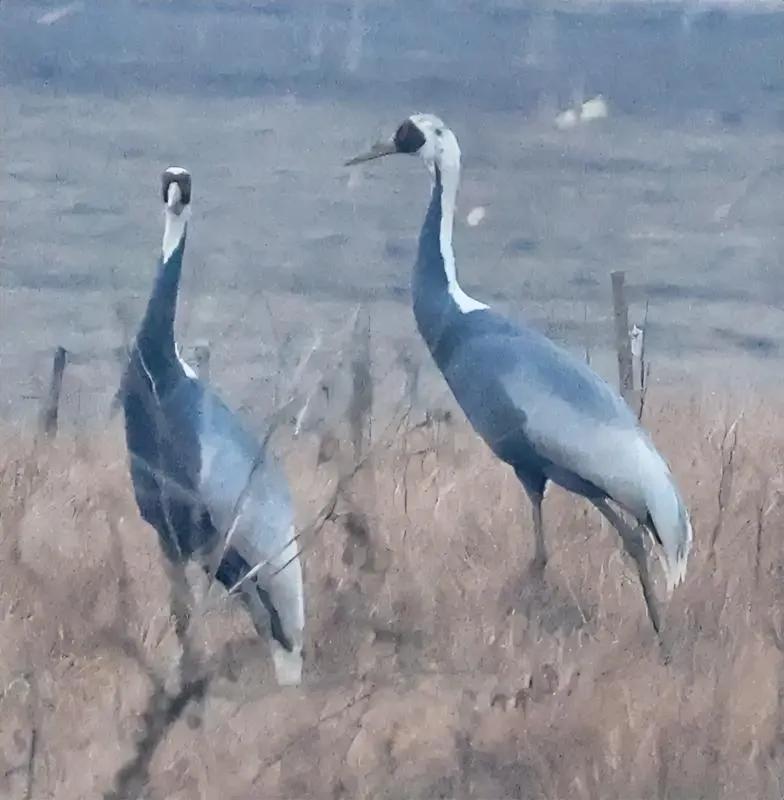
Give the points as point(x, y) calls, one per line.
point(542, 411)
point(206, 485)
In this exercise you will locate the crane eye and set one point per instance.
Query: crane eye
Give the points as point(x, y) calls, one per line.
point(438, 131)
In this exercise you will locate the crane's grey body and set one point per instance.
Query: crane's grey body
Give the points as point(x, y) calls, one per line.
point(542, 411)
point(539, 409)
point(211, 491)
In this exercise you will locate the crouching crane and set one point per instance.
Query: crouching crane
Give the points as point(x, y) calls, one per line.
point(210, 490)
point(540, 410)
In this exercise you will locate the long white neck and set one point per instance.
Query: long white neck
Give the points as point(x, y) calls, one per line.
point(448, 161)
point(174, 228)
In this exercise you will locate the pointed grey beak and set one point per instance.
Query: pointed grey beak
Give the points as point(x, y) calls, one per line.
point(378, 150)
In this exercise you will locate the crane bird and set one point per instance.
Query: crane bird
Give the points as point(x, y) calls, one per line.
point(210, 490)
point(540, 410)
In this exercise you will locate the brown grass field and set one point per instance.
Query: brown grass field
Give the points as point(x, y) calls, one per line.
point(435, 666)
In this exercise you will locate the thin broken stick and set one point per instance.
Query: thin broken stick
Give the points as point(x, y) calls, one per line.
point(326, 511)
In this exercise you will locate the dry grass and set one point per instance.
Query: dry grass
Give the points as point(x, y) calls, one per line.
point(436, 668)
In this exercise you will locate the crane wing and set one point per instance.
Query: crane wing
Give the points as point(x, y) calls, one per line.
point(536, 405)
point(241, 484)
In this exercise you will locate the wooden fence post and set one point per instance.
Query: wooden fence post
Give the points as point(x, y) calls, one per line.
point(622, 340)
point(49, 410)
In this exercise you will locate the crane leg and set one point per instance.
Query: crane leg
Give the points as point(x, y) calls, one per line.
point(540, 554)
point(534, 488)
point(181, 601)
point(633, 544)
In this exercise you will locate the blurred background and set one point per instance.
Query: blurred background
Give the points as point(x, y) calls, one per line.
point(671, 175)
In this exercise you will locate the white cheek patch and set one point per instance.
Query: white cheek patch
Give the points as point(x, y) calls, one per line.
point(174, 195)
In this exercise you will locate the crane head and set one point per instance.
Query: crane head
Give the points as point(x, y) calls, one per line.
point(421, 134)
point(176, 189)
